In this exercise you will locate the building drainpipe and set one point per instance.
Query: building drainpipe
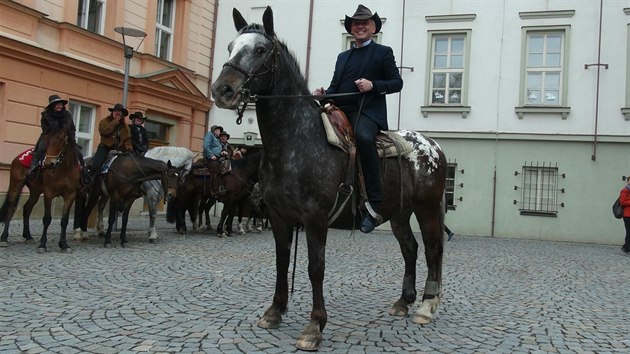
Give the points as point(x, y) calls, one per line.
point(599, 66)
point(402, 50)
point(308, 41)
point(211, 69)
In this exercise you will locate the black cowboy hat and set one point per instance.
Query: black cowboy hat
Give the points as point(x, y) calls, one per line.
point(363, 13)
point(53, 99)
point(121, 108)
point(138, 115)
point(223, 132)
point(212, 128)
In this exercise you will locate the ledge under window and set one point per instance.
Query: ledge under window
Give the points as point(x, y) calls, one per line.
point(464, 110)
point(626, 113)
point(563, 111)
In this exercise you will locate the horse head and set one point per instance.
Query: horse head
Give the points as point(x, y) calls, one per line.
point(170, 181)
point(56, 143)
point(252, 63)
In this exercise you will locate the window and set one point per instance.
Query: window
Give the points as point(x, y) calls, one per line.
point(447, 70)
point(84, 117)
point(91, 15)
point(157, 131)
point(539, 190)
point(451, 168)
point(543, 76)
point(164, 29)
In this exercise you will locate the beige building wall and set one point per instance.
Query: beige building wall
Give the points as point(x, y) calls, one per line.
point(43, 52)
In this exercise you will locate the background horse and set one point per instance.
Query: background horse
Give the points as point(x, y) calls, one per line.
point(58, 177)
point(123, 185)
point(300, 175)
point(238, 185)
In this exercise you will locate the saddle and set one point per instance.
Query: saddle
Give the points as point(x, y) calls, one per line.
point(339, 133)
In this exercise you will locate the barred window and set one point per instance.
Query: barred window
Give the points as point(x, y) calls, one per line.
point(450, 185)
point(539, 190)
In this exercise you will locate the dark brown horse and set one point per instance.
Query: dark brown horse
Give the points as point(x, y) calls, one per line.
point(122, 186)
point(300, 175)
point(59, 176)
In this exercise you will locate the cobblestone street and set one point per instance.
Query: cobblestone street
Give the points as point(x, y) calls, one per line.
point(203, 294)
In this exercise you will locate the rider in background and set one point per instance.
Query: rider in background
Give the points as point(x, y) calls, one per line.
point(54, 117)
point(212, 153)
point(115, 135)
point(139, 137)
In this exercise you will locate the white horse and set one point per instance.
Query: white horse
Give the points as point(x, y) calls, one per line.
point(180, 157)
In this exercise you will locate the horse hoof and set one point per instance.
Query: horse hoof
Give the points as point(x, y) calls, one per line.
point(153, 240)
point(66, 250)
point(107, 245)
point(123, 244)
point(268, 323)
point(310, 339)
point(400, 308)
point(41, 250)
point(4, 244)
point(29, 240)
point(424, 314)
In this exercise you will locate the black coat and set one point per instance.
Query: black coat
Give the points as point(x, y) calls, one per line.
point(52, 121)
point(139, 139)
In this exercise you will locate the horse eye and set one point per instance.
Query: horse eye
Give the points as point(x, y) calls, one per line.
point(260, 50)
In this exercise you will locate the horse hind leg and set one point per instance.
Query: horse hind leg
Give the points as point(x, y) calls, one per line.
point(432, 227)
point(46, 221)
point(67, 204)
point(409, 249)
point(152, 201)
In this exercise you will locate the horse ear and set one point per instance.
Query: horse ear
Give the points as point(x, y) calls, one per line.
point(239, 21)
point(168, 163)
point(268, 22)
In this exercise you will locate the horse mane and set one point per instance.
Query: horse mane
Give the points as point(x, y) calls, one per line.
point(179, 156)
point(292, 64)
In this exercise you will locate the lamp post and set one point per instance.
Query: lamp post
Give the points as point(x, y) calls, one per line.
point(128, 51)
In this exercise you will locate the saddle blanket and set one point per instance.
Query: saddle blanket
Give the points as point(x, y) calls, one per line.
point(388, 144)
point(107, 164)
point(26, 157)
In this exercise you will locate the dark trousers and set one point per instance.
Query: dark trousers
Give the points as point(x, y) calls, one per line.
point(626, 223)
point(365, 131)
point(99, 157)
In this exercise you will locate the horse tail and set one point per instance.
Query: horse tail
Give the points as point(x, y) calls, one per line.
point(171, 211)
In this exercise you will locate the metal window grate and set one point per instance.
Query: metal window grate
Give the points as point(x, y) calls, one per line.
point(539, 188)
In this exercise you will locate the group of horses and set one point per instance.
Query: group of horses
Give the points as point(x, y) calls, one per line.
point(299, 178)
point(162, 173)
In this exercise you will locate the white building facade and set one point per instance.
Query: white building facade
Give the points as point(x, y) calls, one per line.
point(530, 101)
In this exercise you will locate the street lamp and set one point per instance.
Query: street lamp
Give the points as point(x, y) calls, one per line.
point(128, 51)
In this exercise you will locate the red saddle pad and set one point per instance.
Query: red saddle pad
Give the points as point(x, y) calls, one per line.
point(26, 157)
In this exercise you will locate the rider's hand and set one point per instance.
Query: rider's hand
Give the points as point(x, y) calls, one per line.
point(319, 92)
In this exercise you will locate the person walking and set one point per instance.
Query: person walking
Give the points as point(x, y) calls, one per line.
point(369, 70)
point(624, 200)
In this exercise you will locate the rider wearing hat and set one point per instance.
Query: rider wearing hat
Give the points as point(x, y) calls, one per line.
point(115, 135)
point(139, 137)
point(54, 117)
point(212, 153)
point(369, 70)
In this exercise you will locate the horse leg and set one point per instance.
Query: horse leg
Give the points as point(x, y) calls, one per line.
point(283, 235)
point(46, 221)
point(123, 228)
point(110, 223)
point(68, 200)
point(27, 209)
point(220, 226)
point(431, 222)
point(102, 201)
point(311, 337)
point(153, 200)
point(409, 249)
point(241, 206)
point(79, 224)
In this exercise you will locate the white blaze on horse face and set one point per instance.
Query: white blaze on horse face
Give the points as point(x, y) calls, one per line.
point(421, 147)
point(242, 42)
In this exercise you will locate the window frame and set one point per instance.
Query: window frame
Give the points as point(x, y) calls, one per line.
point(160, 29)
point(449, 191)
point(550, 189)
point(83, 15)
point(461, 107)
point(75, 107)
point(562, 107)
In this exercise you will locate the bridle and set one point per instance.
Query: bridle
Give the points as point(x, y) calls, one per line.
point(58, 158)
point(265, 67)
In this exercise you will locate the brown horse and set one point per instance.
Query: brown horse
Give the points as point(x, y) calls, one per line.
point(301, 173)
point(122, 185)
point(59, 176)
